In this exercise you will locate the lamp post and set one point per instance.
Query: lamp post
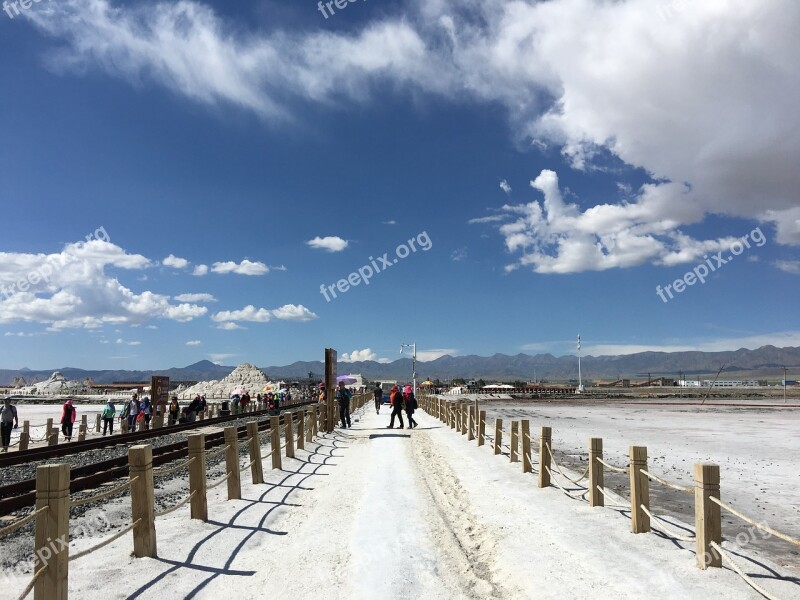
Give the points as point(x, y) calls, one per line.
point(413, 364)
point(580, 381)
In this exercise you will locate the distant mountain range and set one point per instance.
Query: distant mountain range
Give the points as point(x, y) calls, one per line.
point(767, 361)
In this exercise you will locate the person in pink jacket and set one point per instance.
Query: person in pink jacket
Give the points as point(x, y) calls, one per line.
point(68, 415)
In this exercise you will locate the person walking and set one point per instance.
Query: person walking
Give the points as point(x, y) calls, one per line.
point(8, 421)
point(396, 402)
point(343, 395)
point(378, 393)
point(174, 410)
point(108, 414)
point(133, 413)
point(411, 406)
point(147, 410)
point(68, 415)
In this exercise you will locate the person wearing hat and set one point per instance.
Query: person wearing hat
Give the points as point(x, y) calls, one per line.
point(68, 415)
point(411, 405)
point(396, 400)
point(8, 421)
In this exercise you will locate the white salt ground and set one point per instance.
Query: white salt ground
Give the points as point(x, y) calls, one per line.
point(377, 513)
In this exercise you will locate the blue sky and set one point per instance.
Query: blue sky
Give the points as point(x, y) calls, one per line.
point(561, 170)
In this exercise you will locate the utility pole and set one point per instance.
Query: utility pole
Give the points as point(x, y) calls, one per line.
point(784, 384)
point(580, 381)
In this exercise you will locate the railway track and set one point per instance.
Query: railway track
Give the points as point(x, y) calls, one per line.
point(22, 494)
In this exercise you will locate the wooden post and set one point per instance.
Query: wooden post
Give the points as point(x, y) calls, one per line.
point(140, 465)
point(707, 515)
point(53, 441)
point(525, 438)
point(514, 443)
point(471, 425)
point(123, 425)
point(197, 476)
point(256, 470)
point(301, 430)
point(330, 387)
point(84, 426)
point(288, 422)
point(481, 427)
point(310, 429)
point(498, 436)
point(52, 531)
point(232, 463)
point(463, 415)
point(25, 436)
point(596, 497)
point(275, 439)
point(97, 423)
point(545, 440)
point(640, 490)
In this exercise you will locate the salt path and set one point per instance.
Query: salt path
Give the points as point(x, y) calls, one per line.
point(370, 512)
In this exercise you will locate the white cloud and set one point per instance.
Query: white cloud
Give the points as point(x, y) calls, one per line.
point(458, 254)
point(72, 289)
point(200, 270)
point(17, 334)
point(128, 343)
point(217, 358)
point(288, 312)
point(194, 343)
point(789, 266)
point(489, 219)
point(392, 222)
point(175, 262)
point(505, 186)
point(329, 244)
point(705, 97)
point(433, 354)
point(195, 298)
point(246, 267)
point(362, 355)
point(229, 326)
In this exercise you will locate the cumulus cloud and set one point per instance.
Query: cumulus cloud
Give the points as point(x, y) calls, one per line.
point(195, 298)
point(505, 186)
point(175, 262)
point(229, 326)
point(330, 243)
point(246, 267)
point(200, 270)
point(72, 289)
point(705, 97)
point(287, 312)
point(789, 266)
point(362, 355)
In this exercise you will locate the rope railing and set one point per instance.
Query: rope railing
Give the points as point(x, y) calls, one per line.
point(761, 526)
point(220, 482)
point(674, 486)
point(607, 496)
point(32, 583)
point(558, 468)
point(176, 506)
point(658, 523)
point(161, 472)
point(612, 467)
point(732, 564)
point(104, 543)
point(21, 522)
point(581, 497)
point(217, 452)
point(103, 495)
point(247, 466)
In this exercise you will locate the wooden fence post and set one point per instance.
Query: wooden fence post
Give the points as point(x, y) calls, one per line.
point(512, 456)
point(596, 497)
point(197, 476)
point(464, 418)
point(53, 440)
point(232, 463)
point(707, 515)
point(526, 446)
point(52, 527)
point(82, 428)
point(140, 466)
point(275, 439)
point(640, 490)
point(545, 440)
point(471, 425)
point(310, 429)
point(97, 423)
point(301, 429)
point(256, 469)
point(481, 427)
point(123, 426)
point(498, 436)
point(25, 436)
point(288, 423)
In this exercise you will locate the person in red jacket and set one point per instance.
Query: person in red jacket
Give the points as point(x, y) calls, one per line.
point(68, 415)
point(396, 401)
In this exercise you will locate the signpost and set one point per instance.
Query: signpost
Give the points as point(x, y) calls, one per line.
point(159, 397)
point(330, 387)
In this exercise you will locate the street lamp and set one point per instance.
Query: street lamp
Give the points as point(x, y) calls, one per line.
point(580, 381)
point(413, 364)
